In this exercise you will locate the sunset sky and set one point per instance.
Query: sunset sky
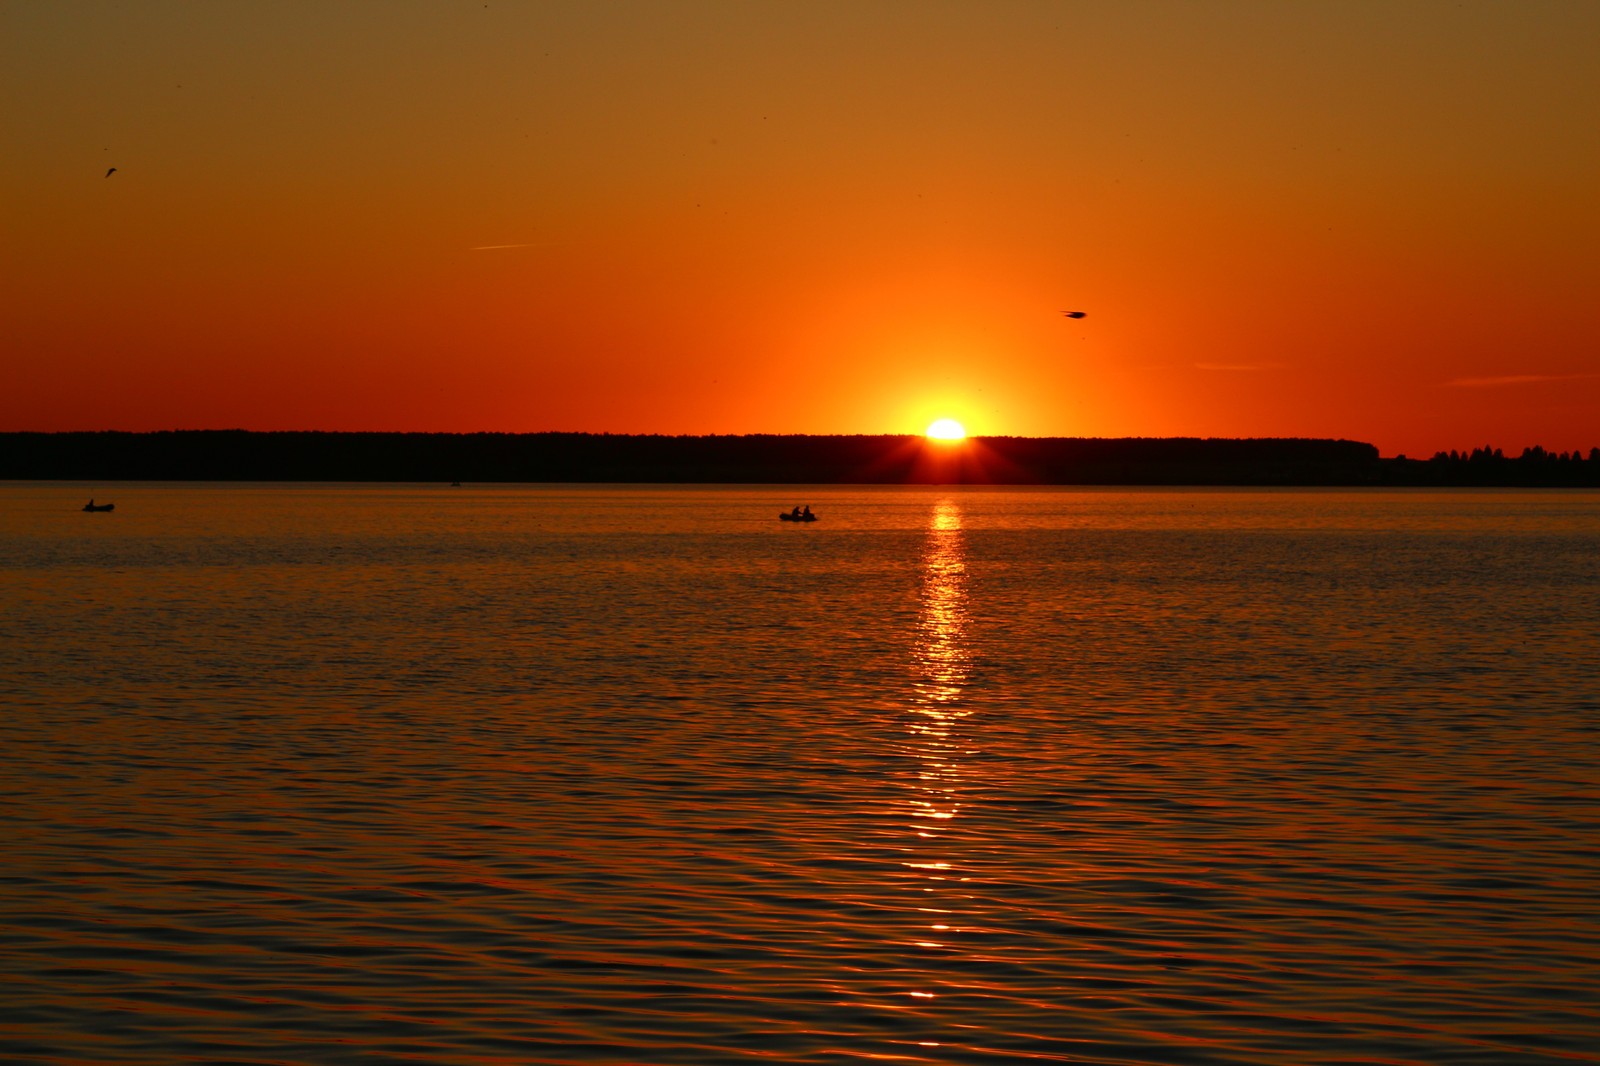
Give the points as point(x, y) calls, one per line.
point(1376, 220)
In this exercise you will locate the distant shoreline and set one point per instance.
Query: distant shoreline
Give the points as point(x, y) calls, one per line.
point(242, 455)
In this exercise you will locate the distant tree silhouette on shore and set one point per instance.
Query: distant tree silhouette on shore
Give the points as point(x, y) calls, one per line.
point(239, 455)
point(1488, 466)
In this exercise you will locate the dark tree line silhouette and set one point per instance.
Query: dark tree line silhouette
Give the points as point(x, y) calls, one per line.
point(239, 455)
point(1489, 466)
point(229, 455)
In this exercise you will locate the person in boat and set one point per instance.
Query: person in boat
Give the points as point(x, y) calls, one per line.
point(806, 514)
point(795, 514)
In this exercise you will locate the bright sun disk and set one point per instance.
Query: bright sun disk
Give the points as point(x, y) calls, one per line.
point(946, 429)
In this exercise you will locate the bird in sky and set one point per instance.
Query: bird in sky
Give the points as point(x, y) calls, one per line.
point(110, 172)
point(1075, 314)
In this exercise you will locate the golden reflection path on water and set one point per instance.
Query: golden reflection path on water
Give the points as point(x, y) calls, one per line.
point(942, 663)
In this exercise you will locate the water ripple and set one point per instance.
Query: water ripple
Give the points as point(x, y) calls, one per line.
point(976, 779)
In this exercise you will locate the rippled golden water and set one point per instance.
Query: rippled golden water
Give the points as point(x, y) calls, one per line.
point(310, 774)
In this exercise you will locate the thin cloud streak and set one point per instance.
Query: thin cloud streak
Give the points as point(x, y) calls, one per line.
point(1512, 379)
point(1236, 367)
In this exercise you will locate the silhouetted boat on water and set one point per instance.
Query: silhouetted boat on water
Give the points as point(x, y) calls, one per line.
point(92, 506)
point(793, 516)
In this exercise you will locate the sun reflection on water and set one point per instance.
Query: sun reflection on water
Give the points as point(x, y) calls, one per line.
point(942, 661)
point(942, 664)
point(941, 650)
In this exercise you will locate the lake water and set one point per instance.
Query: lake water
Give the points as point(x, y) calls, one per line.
point(611, 775)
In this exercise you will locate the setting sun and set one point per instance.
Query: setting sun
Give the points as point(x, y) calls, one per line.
point(947, 429)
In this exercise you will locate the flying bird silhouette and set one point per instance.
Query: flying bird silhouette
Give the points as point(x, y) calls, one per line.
point(110, 172)
point(1075, 314)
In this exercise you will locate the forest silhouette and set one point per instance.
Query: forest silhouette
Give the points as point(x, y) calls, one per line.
point(240, 455)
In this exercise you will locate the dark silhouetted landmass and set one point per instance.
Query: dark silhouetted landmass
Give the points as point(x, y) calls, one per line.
point(238, 455)
point(1488, 466)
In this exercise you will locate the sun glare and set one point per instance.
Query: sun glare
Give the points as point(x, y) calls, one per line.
point(946, 429)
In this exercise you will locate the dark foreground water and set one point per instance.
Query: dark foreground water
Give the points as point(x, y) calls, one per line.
point(300, 774)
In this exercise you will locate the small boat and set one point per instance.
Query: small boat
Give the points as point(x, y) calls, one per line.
point(92, 506)
point(790, 516)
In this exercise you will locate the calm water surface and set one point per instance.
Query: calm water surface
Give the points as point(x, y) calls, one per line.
point(600, 775)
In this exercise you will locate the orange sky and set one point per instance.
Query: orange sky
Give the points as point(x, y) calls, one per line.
point(1376, 220)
